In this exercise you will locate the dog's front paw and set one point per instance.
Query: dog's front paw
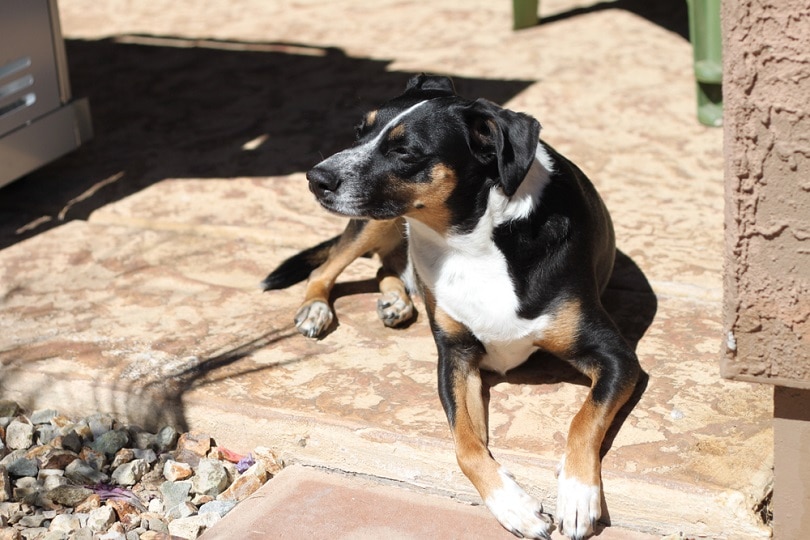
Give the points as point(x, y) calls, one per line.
point(516, 510)
point(313, 318)
point(394, 309)
point(579, 505)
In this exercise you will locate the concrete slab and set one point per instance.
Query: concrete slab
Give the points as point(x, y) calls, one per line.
point(314, 503)
point(146, 304)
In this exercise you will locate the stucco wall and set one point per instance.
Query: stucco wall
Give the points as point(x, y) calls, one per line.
point(766, 97)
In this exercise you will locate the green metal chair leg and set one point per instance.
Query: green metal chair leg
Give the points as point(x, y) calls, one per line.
point(524, 13)
point(707, 46)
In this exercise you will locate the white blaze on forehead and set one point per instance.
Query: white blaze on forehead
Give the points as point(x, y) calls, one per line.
point(346, 159)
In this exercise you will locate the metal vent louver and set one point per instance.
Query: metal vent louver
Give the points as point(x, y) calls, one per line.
point(16, 86)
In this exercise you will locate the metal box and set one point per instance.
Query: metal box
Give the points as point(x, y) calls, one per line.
point(39, 119)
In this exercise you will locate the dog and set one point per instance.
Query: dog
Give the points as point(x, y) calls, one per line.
point(510, 246)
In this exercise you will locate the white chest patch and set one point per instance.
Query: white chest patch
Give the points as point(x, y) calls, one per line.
point(470, 280)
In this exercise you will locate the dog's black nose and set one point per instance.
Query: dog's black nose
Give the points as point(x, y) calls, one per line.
point(322, 180)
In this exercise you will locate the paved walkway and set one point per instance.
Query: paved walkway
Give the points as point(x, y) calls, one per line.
point(129, 269)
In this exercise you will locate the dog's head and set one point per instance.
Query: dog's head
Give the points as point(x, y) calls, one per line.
point(428, 154)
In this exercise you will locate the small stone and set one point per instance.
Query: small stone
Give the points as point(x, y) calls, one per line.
point(211, 478)
point(245, 485)
point(55, 458)
point(155, 535)
point(82, 534)
point(184, 528)
point(144, 440)
point(269, 459)
point(69, 495)
point(33, 521)
point(182, 510)
point(10, 534)
point(89, 504)
point(54, 535)
point(45, 434)
point(218, 507)
point(155, 522)
point(100, 424)
point(127, 513)
point(26, 489)
point(174, 492)
point(5, 485)
point(42, 416)
point(166, 439)
point(20, 465)
point(174, 470)
point(70, 441)
point(110, 442)
point(67, 523)
point(148, 455)
point(101, 518)
point(95, 459)
point(9, 408)
point(81, 472)
point(155, 505)
point(124, 455)
point(51, 478)
point(128, 474)
point(19, 434)
point(34, 533)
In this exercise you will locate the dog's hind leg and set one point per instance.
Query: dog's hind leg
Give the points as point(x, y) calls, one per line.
point(460, 391)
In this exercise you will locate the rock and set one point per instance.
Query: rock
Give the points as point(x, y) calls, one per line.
point(174, 493)
point(101, 518)
point(26, 489)
point(187, 528)
point(67, 523)
point(18, 465)
point(42, 416)
point(166, 438)
point(34, 533)
point(127, 513)
point(54, 535)
point(45, 434)
point(81, 472)
point(89, 504)
point(155, 522)
point(148, 455)
point(143, 440)
point(69, 495)
point(174, 470)
point(9, 408)
point(82, 534)
point(182, 510)
point(124, 455)
point(100, 424)
point(211, 478)
point(32, 521)
point(217, 507)
point(154, 535)
point(10, 534)
point(5, 485)
point(245, 485)
point(19, 434)
point(268, 458)
point(55, 458)
point(110, 442)
point(130, 473)
point(51, 478)
point(70, 441)
point(95, 459)
point(191, 447)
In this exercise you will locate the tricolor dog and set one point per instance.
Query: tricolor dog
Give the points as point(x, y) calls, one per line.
point(510, 246)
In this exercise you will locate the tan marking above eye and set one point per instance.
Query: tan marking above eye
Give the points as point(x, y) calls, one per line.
point(371, 117)
point(397, 132)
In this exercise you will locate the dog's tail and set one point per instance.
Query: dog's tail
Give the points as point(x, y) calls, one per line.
point(298, 267)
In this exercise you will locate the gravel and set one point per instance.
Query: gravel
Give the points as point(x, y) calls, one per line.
point(93, 478)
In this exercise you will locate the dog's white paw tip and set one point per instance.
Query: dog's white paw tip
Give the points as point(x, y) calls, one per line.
point(312, 319)
point(517, 511)
point(579, 507)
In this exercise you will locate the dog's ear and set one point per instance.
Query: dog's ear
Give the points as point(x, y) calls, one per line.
point(430, 83)
point(503, 137)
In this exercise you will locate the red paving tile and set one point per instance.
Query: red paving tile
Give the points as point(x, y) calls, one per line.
point(306, 502)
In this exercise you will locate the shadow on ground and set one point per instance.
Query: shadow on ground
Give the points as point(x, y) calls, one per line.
point(671, 15)
point(169, 107)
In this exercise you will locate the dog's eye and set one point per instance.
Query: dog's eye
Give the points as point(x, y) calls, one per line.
point(358, 130)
